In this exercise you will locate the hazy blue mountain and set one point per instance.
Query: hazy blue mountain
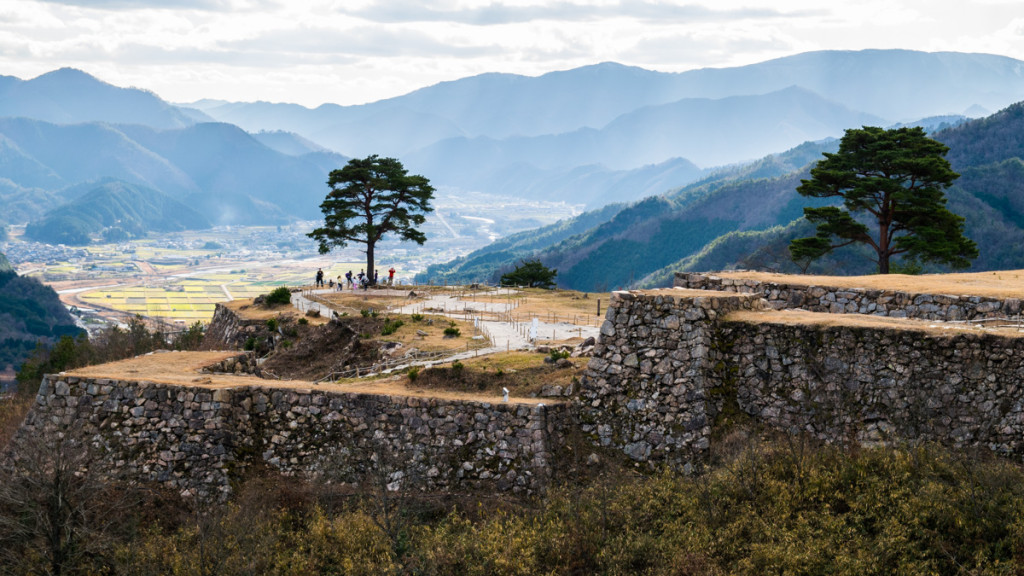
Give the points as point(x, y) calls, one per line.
point(226, 163)
point(69, 96)
point(707, 132)
point(117, 210)
point(216, 168)
point(21, 204)
point(287, 142)
point(898, 85)
point(86, 152)
point(530, 136)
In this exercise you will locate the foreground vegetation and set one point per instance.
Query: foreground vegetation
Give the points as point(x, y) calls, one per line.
point(774, 507)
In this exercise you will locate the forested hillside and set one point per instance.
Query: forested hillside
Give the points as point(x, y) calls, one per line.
point(116, 211)
point(745, 217)
point(29, 313)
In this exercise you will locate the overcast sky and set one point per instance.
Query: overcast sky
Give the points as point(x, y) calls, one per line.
point(354, 51)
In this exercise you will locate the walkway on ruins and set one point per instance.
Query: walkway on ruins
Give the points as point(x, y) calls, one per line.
point(503, 335)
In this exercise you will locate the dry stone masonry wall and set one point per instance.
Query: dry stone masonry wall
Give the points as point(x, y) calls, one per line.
point(666, 367)
point(194, 439)
point(894, 303)
point(650, 390)
point(857, 384)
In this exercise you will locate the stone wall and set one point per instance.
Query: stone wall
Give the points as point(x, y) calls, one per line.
point(194, 439)
point(894, 303)
point(228, 331)
point(651, 388)
point(666, 366)
point(859, 384)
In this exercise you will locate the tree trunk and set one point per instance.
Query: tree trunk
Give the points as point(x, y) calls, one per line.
point(369, 260)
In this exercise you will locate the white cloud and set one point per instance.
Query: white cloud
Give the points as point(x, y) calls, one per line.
point(350, 51)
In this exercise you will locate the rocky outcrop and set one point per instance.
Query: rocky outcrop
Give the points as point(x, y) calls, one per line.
point(228, 331)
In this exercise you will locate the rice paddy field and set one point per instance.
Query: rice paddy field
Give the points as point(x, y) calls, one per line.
point(190, 297)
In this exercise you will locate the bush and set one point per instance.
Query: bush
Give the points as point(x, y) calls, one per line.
point(391, 326)
point(530, 273)
point(452, 332)
point(365, 312)
point(190, 339)
point(250, 343)
point(417, 317)
point(557, 354)
point(272, 324)
point(279, 295)
point(303, 321)
point(413, 373)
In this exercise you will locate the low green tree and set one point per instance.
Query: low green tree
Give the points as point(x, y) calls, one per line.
point(530, 273)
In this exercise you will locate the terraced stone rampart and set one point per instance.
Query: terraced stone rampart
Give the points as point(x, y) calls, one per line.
point(196, 439)
point(669, 364)
point(853, 300)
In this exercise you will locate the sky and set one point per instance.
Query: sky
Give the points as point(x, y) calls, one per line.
point(354, 51)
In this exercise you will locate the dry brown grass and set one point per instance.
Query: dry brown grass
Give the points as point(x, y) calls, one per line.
point(824, 319)
point(523, 373)
point(13, 409)
point(182, 369)
point(434, 340)
point(997, 284)
point(246, 310)
point(562, 302)
point(354, 302)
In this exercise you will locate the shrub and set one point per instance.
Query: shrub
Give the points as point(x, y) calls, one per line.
point(279, 295)
point(391, 326)
point(272, 324)
point(250, 343)
point(303, 321)
point(413, 373)
point(458, 369)
point(417, 317)
point(286, 344)
point(557, 354)
point(452, 332)
point(365, 312)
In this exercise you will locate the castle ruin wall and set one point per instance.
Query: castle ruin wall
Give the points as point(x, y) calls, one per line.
point(852, 300)
point(196, 439)
point(666, 367)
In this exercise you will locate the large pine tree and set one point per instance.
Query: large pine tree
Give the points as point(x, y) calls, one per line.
point(895, 180)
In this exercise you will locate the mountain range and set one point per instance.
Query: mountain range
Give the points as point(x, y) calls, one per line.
point(591, 136)
point(745, 217)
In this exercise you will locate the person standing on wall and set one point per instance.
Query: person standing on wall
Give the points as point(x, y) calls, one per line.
point(391, 276)
point(319, 278)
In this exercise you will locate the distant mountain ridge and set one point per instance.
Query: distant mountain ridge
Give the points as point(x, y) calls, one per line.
point(214, 167)
point(531, 136)
point(590, 136)
point(70, 96)
point(745, 217)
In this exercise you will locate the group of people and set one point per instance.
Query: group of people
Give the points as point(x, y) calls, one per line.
point(361, 280)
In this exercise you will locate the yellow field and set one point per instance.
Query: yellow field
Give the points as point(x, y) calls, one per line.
point(191, 298)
